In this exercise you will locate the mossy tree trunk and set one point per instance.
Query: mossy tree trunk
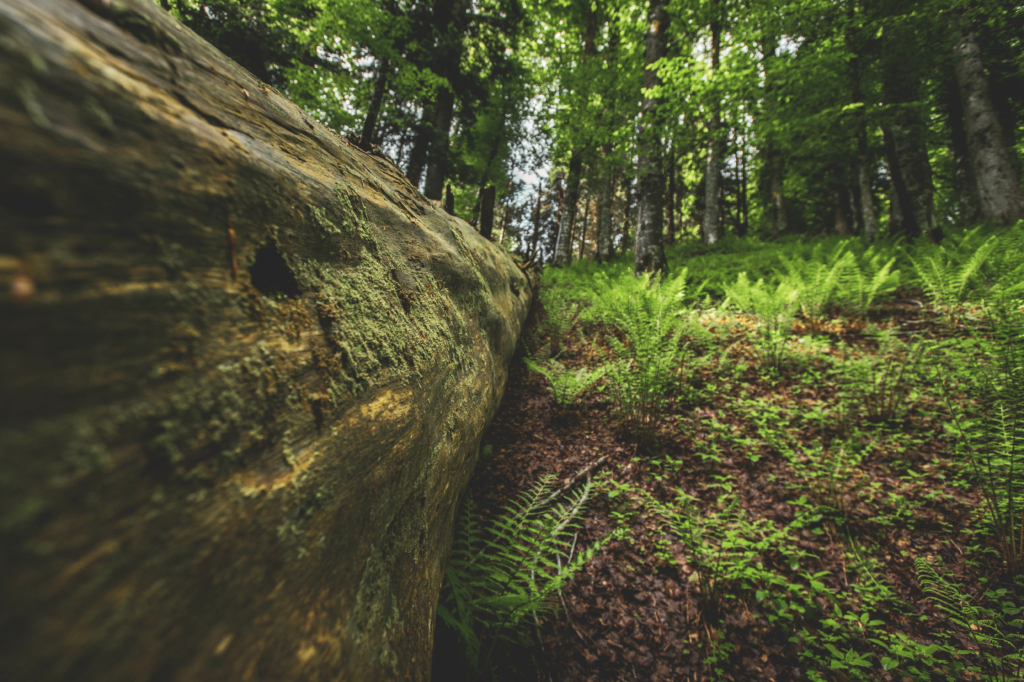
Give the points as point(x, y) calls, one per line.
point(244, 373)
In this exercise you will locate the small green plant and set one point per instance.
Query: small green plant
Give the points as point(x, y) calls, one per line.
point(774, 309)
point(501, 574)
point(994, 650)
point(566, 385)
point(880, 386)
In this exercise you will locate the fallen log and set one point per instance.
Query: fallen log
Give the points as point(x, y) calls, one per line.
point(244, 368)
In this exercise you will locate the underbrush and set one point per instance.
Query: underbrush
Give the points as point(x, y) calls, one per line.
point(817, 457)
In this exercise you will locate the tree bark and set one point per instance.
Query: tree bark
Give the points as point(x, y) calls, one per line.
point(999, 192)
point(487, 211)
point(649, 249)
point(842, 220)
point(906, 129)
point(437, 170)
point(536, 223)
point(604, 213)
point(671, 203)
point(773, 158)
point(567, 219)
point(245, 389)
point(421, 145)
point(586, 219)
point(380, 87)
point(966, 186)
point(713, 172)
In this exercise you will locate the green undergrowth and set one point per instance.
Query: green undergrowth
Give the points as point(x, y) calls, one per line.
point(877, 391)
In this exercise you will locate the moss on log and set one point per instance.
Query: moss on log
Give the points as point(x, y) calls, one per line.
point(244, 369)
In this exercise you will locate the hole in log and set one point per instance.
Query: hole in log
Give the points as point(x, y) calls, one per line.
point(271, 275)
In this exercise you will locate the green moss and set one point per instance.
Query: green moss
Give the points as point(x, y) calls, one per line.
point(370, 330)
point(353, 213)
point(320, 220)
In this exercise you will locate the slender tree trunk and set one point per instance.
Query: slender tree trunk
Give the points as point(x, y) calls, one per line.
point(487, 211)
point(380, 87)
point(867, 202)
point(438, 168)
point(604, 214)
point(966, 186)
point(907, 220)
point(999, 192)
point(536, 222)
point(744, 196)
point(905, 130)
point(867, 199)
point(421, 145)
point(507, 208)
point(896, 216)
point(586, 221)
point(842, 220)
point(671, 203)
point(449, 199)
point(563, 247)
point(649, 247)
point(773, 158)
point(713, 173)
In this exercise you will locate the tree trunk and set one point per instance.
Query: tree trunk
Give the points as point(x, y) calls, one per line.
point(671, 203)
point(713, 173)
point(895, 209)
point(999, 192)
point(536, 223)
point(744, 197)
point(586, 219)
point(421, 145)
point(380, 87)
point(773, 159)
point(246, 383)
point(604, 214)
point(842, 220)
point(906, 129)
point(437, 171)
point(966, 186)
point(563, 247)
point(627, 207)
point(901, 221)
point(867, 199)
point(487, 211)
point(649, 249)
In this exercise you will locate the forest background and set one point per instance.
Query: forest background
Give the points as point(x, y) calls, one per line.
point(575, 128)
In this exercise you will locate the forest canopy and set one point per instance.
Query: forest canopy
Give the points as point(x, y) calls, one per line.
point(616, 123)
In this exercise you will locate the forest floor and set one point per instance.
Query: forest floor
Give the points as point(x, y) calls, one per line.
point(832, 532)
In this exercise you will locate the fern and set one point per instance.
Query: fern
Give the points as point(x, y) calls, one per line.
point(501, 574)
point(996, 649)
point(644, 371)
point(947, 270)
point(994, 442)
point(818, 278)
point(870, 278)
point(566, 385)
point(774, 310)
